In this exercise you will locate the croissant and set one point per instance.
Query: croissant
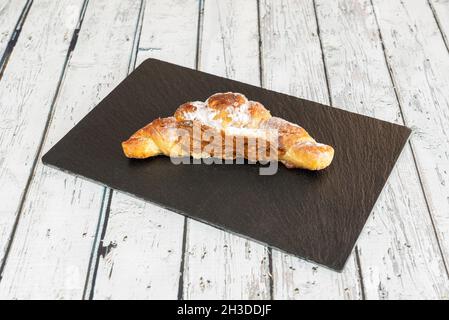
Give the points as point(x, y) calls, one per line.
point(229, 126)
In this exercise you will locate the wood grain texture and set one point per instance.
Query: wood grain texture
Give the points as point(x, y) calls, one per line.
point(27, 89)
point(141, 253)
point(145, 241)
point(292, 63)
point(441, 12)
point(218, 264)
point(10, 11)
point(419, 60)
point(399, 254)
point(50, 253)
point(169, 31)
point(398, 234)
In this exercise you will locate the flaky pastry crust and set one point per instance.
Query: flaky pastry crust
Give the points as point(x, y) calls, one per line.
point(220, 122)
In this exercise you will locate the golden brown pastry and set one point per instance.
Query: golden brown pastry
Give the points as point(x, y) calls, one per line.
point(227, 126)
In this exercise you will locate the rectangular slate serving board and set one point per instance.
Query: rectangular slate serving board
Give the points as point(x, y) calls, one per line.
point(315, 215)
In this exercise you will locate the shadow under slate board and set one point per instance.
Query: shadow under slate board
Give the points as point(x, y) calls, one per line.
point(315, 215)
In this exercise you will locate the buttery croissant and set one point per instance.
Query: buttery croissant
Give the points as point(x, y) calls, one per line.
point(228, 126)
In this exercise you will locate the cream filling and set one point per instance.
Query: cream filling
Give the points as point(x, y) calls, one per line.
point(239, 116)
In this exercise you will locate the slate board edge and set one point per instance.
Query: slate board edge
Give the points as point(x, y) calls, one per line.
point(338, 269)
point(406, 141)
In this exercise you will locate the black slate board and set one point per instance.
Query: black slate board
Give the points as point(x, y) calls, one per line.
point(315, 215)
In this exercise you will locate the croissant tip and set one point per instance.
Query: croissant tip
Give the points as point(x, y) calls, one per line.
point(328, 157)
point(125, 145)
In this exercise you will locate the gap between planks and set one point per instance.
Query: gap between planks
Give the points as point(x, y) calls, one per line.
point(261, 82)
point(193, 269)
point(199, 33)
point(15, 35)
point(393, 82)
point(152, 17)
point(89, 287)
point(326, 76)
point(437, 20)
point(47, 124)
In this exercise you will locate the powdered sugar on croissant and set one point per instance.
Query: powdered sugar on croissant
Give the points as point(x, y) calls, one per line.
point(228, 118)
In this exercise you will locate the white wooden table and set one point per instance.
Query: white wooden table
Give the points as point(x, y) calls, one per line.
point(65, 237)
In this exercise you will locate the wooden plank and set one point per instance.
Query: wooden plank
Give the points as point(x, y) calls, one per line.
point(230, 40)
point(169, 32)
point(145, 258)
point(144, 252)
point(292, 63)
point(10, 14)
point(50, 253)
point(441, 12)
point(419, 60)
point(220, 265)
point(27, 89)
point(398, 251)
